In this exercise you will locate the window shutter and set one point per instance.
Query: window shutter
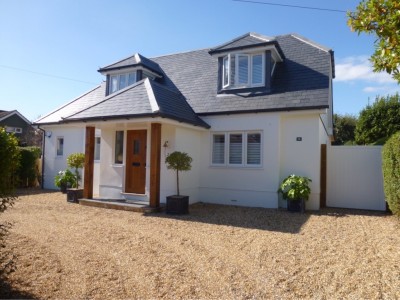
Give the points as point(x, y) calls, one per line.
point(253, 148)
point(257, 69)
point(243, 69)
point(218, 152)
point(235, 148)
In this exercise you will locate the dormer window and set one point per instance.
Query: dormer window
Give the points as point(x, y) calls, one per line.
point(242, 70)
point(120, 81)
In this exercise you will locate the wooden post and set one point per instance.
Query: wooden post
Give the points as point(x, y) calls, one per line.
point(322, 196)
point(155, 163)
point(89, 163)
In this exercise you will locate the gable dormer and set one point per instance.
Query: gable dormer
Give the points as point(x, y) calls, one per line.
point(247, 63)
point(128, 71)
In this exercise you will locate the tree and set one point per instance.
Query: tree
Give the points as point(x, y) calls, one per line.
point(76, 161)
point(381, 18)
point(9, 158)
point(377, 122)
point(9, 155)
point(178, 161)
point(344, 128)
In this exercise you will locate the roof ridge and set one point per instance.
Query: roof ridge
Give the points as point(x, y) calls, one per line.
point(183, 52)
point(309, 42)
point(72, 101)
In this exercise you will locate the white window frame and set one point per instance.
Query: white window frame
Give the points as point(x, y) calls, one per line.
point(226, 58)
point(123, 148)
point(97, 147)
point(236, 84)
point(244, 163)
point(118, 78)
point(58, 144)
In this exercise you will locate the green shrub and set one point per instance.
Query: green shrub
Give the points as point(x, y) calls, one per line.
point(391, 172)
point(28, 171)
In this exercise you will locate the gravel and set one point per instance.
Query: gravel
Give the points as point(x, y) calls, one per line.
point(69, 251)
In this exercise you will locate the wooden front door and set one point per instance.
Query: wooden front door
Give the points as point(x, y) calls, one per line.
point(135, 173)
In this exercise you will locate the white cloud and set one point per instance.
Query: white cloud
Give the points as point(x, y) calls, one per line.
point(359, 68)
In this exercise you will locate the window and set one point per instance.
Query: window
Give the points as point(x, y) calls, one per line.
point(254, 149)
point(243, 70)
point(119, 147)
point(13, 129)
point(60, 146)
point(218, 153)
point(97, 148)
point(243, 149)
point(121, 81)
point(235, 149)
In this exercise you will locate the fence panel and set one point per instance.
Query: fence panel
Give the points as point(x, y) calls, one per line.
point(354, 177)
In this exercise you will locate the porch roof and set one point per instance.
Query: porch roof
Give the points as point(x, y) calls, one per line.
point(145, 98)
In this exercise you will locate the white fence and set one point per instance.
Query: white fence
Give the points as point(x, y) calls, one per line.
point(354, 177)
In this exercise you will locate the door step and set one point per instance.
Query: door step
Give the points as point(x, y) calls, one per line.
point(135, 197)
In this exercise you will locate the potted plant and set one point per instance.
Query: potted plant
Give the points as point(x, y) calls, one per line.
point(296, 190)
point(178, 161)
point(64, 179)
point(76, 161)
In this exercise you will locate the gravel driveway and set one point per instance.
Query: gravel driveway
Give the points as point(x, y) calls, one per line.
point(69, 251)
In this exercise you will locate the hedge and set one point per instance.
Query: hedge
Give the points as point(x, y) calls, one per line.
point(391, 172)
point(28, 172)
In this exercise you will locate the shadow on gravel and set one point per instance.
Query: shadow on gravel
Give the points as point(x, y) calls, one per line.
point(8, 292)
point(245, 217)
point(346, 212)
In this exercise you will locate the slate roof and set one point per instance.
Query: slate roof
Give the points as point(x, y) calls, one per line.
point(301, 81)
point(188, 88)
point(145, 98)
point(132, 61)
point(82, 102)
point(6, 114)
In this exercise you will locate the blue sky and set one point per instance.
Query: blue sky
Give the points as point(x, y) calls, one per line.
point(71, 39)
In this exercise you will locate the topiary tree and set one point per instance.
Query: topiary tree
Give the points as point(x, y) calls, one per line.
point(76, 161)
point(391, 173)
point(178, 161)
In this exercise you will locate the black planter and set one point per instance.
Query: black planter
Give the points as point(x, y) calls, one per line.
point(73, 195)
point(63, 188)
point(296, 205)
point(178, 205)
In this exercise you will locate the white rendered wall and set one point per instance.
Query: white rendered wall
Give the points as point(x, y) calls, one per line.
point(73, 142)
point(187, 140)
point(251, 186)
point(302, 157)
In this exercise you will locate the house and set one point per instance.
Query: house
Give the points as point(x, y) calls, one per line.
point(15, 122)
point(249, 112)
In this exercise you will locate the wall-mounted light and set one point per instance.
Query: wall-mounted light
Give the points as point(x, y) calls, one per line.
point(165, 144)
point(48, 134)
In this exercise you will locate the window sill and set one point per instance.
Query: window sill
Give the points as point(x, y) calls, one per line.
point(230, 167)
